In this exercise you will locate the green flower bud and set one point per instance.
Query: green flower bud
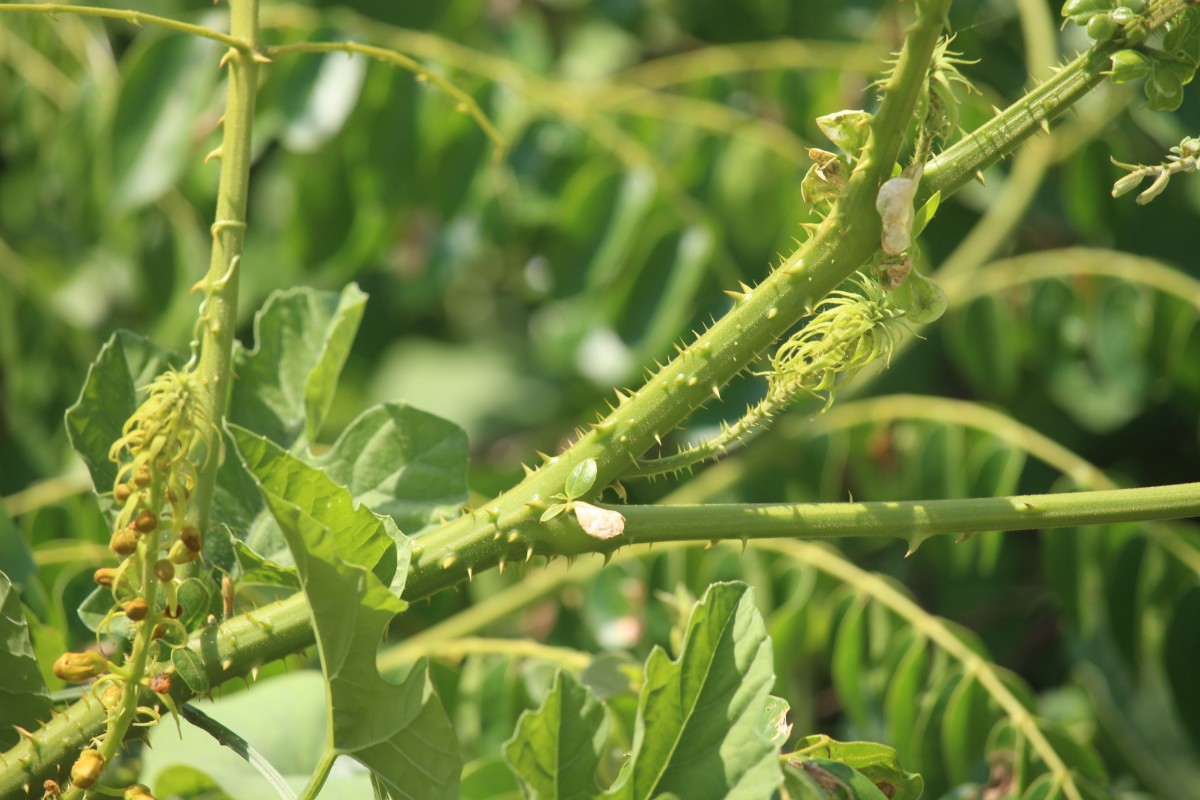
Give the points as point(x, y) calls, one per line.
point(79, 667)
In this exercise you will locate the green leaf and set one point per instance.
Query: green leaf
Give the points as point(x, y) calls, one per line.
point(357, 535)
point(111, 393)
point(926, 213)
point(820, 779)
point(283, 719)
point(489, 779)
point(400, 731)
point(24, 700)
point(696, 732)
point(402, 462)
point(555, 750)
point(165, 89)
point(877, 762)
point(581, 479)
point(286, 384)
point(773, 720)
point(189, 666)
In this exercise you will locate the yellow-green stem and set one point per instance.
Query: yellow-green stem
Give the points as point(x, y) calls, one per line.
point(218, 319)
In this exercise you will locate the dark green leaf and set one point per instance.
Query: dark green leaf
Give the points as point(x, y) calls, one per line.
point(24, 700)
point(189, 666)
point(555, 750)
point(877, 762)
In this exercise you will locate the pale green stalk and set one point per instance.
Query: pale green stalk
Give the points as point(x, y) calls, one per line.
point(136, 18)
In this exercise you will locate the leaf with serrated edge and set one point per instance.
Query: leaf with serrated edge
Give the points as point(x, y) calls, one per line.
point(555, 750)
point(23, 697)
point(110, 394)
point(696, 732)
point(286, 383)
point(399, 731)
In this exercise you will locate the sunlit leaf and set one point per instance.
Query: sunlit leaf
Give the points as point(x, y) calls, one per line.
point(398, 730)
point(555, 749)
point(696, 733)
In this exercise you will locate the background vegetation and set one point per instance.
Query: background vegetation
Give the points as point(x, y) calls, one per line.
point(654, 157)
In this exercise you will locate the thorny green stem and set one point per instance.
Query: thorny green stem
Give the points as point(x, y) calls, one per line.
point(508, 528)
point(996, 138)
point(218, 315)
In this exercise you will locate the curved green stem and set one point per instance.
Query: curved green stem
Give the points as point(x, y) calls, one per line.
point(133, 18)
point(319, 776)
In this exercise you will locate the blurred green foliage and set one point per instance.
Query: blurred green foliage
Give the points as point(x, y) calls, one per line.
point(654, 156)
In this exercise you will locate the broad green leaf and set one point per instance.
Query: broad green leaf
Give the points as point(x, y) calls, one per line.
point(820, 779)
point(1180, 647)
point(489, 779)
point(402, 462)
point(357, 535)
point(555, 749)
point(286, 384)
point(696, 732)
point(165, 87)
point(111, 393)
point(398, 730)
point(877, 762)
point(24, 700)
point(15, 559)
point(283, 718)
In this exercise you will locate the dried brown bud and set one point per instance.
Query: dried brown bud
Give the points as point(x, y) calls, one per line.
point(137, 609)
point(123, 492)
point(105, 576)
point(123, 542)
point(87, 768)
point(164, 570)
point(161, 683)
point(78, 667)
point(160, 630)
point(146, 521)
point(190, 536)
point(141, 476)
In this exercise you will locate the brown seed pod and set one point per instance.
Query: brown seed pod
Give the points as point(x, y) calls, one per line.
point(137, 609)
point(123, 492)
point(146, 521)
point(161, 683)
point(105, 576)
point(123, 542)
point(190, 536)
point(141, 476)
point(164, 570)
point(87, 768)
point(160, 630)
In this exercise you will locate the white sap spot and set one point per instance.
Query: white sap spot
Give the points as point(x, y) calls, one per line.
point(602, 523)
